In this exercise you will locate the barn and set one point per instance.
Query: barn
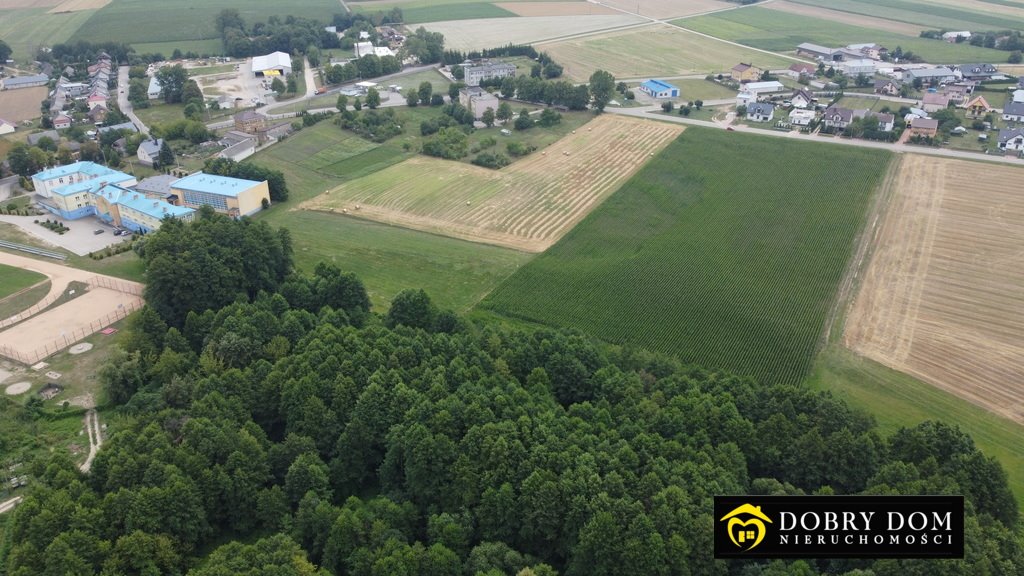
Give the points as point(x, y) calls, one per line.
point(274, 64)
point(659, 89)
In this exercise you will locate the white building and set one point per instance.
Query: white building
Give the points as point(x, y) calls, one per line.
point(274, 64)
point(760, 112)
point(952, 36)
point(759, 88)
point(149, 152)
point(6, 126)
point(478, 73)
point(477, 100)
point(153, 92)
point(367, 48)
point(855, 67)
point(798, 117)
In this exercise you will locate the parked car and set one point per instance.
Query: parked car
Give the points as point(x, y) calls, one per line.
point(98, 231)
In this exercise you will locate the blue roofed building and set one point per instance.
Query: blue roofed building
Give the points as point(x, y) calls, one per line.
point(232, 196)
point(659, 89)
point(49, 181)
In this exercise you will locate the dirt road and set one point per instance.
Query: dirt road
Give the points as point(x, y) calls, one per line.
point(92, 428)
point(10, 504)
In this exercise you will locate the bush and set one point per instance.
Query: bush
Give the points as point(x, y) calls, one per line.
point(493, 160)
point(519, 149)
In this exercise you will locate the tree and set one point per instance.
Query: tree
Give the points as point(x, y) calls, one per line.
point(307, 473)
point(372, 98)
point(166, 157)
point(425, 91)
point(412, 98)
point(5, 51)
point(342, 103)
point(488, 117)
point(1015, 57)
point(357, 104)
point(523, 121)
point(549, 117)
point(278, 86)
point(277, 555)
point(504, 112)
point(453, 90)
point(172, 81)
point(667, 106)
point(602, 87)
point(411, 308)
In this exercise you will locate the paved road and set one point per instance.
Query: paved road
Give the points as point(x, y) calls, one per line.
point(898, 148)
point(122, 99)
point(10, 504)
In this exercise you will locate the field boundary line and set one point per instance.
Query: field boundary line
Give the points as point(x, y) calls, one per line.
point(23, 290)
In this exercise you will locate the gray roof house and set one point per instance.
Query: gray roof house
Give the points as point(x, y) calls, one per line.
point(15, 82)
point(760, 111)
point(1014, 112)
point(978, 71)
point(939, 74)
point(149, 152)
point(1011, 139)
point(839, 117)
point(33, 139)
point(121, 126)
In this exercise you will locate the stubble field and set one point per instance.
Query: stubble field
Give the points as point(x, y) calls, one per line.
point(943, 296)
point(493, 32)
point(669, 8)
point(22, 104)
point(528, 205)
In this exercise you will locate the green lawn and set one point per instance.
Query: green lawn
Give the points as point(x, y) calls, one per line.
point(898, 400)
point(866, 103)
point(725, 264)
point(15, 303)
point(28, 29)
point(160, 113)
point(782, 32)
point(15, 279)
point(422, 11)
point(691, 90)
point(144, 21)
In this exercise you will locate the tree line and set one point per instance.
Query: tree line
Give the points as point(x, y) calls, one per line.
point(280, 410)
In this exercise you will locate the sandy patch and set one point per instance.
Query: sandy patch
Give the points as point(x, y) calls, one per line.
point(493, 32)
point(942, 298)
point(846, 18)
point(18, 388)
point(22, 104)
point(78, 6)
point(555, 8)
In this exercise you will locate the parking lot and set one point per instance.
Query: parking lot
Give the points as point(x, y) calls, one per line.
point(81, 239)
point(237, 84)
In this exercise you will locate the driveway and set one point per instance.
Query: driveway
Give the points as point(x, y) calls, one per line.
point(80, 239)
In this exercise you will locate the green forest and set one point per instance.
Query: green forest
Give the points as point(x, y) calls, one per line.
point(276, 425)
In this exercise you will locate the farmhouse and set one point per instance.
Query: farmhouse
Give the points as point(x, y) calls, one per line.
point(952, 37)
point(798, 117)
point(887, 87)
point(6, 126)
point(232, 196)
point(978, 106)
point(839, 118)
point(1011, 139)
point(801, 99)
point(273, 64)
point(855, 67)
point(659, 89)
point(745, 72)
point(801, 69)
point(760, 112)
point(478, 73)
point(886, 122)
point(978, 71)
point(924, 127)
point(250, 122)
point(61, 122)
point(934, 101)
point(871, 50)
point(940, 75)
point(1014, 112)
point(153, 92)
point(477, 100)
point(759, 88)
point(149, 152)
point(16, 82)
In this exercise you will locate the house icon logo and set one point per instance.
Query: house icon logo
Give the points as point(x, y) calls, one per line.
point(746, 526)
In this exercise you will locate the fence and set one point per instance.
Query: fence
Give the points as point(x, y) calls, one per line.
point(66, 340)
point(133, 288)
point(34, 309)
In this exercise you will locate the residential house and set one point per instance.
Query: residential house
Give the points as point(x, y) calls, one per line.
point(745, 73)
point(98, 114)
point(934, 101)
point(760, 111)
point(872, 50)
point(149, 152)
point(239, 151)
point(1011, 139)
point(886, 122)
point(801, 99)
point(7, 127)
point(16, 82)
point(798, 117)
point(745, 98)
point(802, 69)
point(939, 75)
point(1013, 112)
point(952, 37)
point(924, 127)
point(96, 99)
point(33, 139)
point(839, 118)
point(250, 122)
point(477, 100)
point(61, 122)
point(476, 73)
point(977, 71)
point(958, 92)
point(887, 87)
point(978, 106)
point(659, 89)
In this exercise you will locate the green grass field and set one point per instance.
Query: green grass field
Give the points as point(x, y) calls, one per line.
point(782, 32)
point(936, 15)
point(210, 46)
point(866, 103)
point(15, 279)
point(160, 113)
point(147, 22)
point(28, 29)
point(711, 253)
point(690, 90)
point(897, 400)
point(422, 11)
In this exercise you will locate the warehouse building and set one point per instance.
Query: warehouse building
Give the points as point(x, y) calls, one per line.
point(274, 64)
point(659, 89)
point(15, 82)
point(232, 196)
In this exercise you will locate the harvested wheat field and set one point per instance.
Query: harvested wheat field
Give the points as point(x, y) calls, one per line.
point(22, 104)
point(665, 9)
point(555, 8)
point(15, 4)
point(493, 32)
point(78, 5)
point(846, 18)
point(527, 206)
point(943, 296)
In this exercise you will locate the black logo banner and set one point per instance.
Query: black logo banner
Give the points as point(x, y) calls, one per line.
point(839, 526)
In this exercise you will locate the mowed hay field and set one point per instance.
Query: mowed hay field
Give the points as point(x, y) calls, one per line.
point(718, 251)
point(656, 50)
point(22, 104)
point(949, 14)
point(28, 29)
point(669, 8)
point(528, 205)
point(943, 296)
point(846, 17)
point(468, 35)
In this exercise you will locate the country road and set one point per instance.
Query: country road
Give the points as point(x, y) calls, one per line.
point(122, 99)
point(92, 428)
